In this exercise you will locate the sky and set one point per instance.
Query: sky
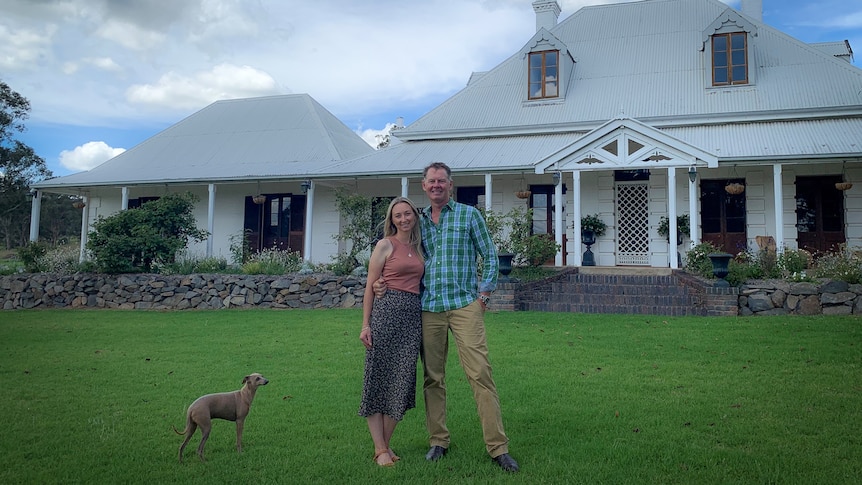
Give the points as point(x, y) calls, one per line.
point(104, 75)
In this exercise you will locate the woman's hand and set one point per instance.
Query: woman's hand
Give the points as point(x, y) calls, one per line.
point(365, 336)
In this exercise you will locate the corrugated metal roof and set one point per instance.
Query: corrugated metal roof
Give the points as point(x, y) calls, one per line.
point(645, 60)
point(786, 140)
point(255, 138)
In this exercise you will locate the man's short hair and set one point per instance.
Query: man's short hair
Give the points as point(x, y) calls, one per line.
point(437, 166)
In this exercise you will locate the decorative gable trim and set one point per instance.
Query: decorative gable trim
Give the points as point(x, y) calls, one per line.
point(545, 41)
point(625, 144)
point(729, 21)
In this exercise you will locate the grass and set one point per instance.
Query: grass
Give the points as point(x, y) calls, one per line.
point(90, 397)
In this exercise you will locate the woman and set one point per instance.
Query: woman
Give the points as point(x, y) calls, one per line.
point(392, 327)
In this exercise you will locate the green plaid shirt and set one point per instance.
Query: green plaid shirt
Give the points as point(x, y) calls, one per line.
point(452, 247)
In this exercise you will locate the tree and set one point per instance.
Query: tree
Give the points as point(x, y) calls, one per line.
point(19, 167)
point(143, 238)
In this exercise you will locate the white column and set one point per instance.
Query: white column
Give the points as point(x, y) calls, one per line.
point(125, 201)
point(576, 215)
point(671, 216)
point(35, 215)
point(489, 186)
point(558, 221)
point(309, 221)
point(211, 219)
point(693, 216)
point(778, 189)
point(85, 219)
point(404, 186)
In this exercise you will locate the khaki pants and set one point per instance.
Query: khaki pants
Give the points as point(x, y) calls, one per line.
point(468, 328)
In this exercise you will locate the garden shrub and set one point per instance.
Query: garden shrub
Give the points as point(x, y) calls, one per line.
point(31, 255)
point(273, 261)
point(697, 260)
point(842, 264)
point(144, 238)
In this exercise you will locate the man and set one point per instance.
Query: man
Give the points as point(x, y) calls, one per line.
point(454, 235)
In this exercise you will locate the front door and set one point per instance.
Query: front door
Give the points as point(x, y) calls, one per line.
point(543, 203)
point(277, 223)
point(819, 214)
point(722, 216)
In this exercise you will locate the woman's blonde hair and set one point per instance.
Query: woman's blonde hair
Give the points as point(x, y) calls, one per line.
point(389, 228)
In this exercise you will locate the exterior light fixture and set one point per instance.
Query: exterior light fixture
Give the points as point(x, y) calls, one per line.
point(557, 177)
point(306, 184)
point(692, 173)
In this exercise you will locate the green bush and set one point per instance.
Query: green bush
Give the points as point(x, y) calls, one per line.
point(842, 264)
point(31, 256)
point(539, 248)
point(273, 262)
point(62, 259)
point(697, 260)
point(145, 238)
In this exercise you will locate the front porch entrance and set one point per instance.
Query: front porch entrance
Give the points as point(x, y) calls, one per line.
point(632, 196)
point(722, 216)
point(277, 223)
point(819, 214)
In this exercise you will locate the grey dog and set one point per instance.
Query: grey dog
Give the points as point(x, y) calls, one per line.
point(232, 406)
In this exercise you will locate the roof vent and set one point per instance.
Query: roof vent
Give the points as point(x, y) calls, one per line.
point(547, 13)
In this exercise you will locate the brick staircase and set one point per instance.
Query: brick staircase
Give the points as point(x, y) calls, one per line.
point(648, 291)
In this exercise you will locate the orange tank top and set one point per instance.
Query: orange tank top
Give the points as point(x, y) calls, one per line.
point(403, 269)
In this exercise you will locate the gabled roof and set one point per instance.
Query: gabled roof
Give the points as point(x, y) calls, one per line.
point(646, 60)
point(626, 144)
point(274, 137)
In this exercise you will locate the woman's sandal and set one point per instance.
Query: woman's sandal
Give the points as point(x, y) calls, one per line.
point(393, 455)
point(378, 453)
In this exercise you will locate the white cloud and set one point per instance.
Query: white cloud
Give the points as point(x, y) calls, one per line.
point(374, 137)
point(224, 81)
point(104, 63)
point(130, 35)
point(88, 155)
point(22, 49)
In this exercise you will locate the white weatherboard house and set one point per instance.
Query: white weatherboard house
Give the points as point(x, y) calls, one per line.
point(632, 111)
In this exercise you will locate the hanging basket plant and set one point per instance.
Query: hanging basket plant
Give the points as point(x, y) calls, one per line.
point(843, 185)
point(734, 188)
point(78, 204)
point(523, 194)
point(258, 199)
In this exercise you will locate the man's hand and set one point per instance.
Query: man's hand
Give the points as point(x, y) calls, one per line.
point(379, 288)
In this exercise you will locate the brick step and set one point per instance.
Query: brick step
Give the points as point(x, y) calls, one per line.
point(613, 293)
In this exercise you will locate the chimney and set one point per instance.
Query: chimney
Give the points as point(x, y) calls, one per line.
point(547, 13)
point(753, 8)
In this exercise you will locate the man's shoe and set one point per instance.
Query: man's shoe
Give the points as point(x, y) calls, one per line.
point(507, 463)
point(437, 452)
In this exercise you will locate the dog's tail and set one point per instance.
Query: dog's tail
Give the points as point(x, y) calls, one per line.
point(178, 431)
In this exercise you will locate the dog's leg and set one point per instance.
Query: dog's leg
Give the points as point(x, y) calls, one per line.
point(190, 430)
point(239, 425)
point(206, 427)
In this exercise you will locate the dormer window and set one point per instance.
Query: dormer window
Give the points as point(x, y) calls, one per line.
point(729, 59)
point(544, 74)
point(729, 47)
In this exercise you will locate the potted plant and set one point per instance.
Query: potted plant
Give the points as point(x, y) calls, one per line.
point(591, 228)
point(682, 227)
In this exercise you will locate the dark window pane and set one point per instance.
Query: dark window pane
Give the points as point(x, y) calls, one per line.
point(738, 58)
point(737, 41)
point(721, 76)
point(719, 43)
point(720, 59)
point(739, 74)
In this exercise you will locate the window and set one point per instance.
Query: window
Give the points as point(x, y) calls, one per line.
point(729, 59)
point(544, 74)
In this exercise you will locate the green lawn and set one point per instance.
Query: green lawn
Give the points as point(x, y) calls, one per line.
point(90, 397)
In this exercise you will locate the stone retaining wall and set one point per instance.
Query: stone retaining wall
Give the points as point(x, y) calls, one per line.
point(180, 292)
point(779, 297)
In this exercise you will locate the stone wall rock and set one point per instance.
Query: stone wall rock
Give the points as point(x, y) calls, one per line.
point(180, 292)
point(777, 297)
